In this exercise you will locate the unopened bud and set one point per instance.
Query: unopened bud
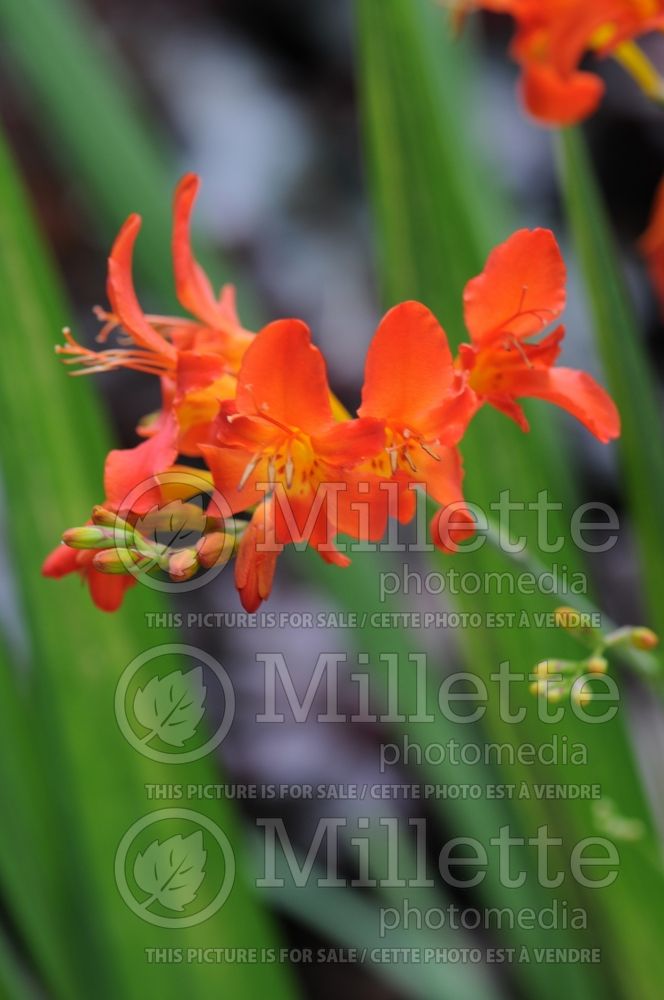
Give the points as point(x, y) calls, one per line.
point(118, 561)
point(567, 617)
point(183, 565)
point(215, 548)
point(644, 638)
point(87, 537)
point(102, 516)
point(597, 665)
point(546, 668)
point(554, 692)
point(577, 623)
point(638, 637)
point(580, 694)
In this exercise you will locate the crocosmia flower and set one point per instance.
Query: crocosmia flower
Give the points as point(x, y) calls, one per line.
point(553, 37)
point(279, 441)
point(284, 462)
point(411, 386)
point(521, 293)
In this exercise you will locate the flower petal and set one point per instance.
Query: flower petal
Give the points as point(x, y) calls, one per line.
point(107, 590)
point(409, 366)
point(193, 286)
point(350, 442)
point(560, 99)
point(254, 569)
point(574, 391)
point(121, 294)
point(283, 377)
point(229, 468)
point(129, 468)
point(521, 290)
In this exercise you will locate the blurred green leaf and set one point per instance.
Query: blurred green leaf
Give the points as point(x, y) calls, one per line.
point(93, 785)
point(623, 352)
point(438, 214)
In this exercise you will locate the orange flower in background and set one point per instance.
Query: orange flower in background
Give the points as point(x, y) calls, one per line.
point(553, 36)
point(652, 245)
point(413, 388)
point(519, 294)
point(279, 438)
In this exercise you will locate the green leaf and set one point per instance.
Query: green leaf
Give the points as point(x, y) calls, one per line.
point(631, 379)
point(437, 217)
point(83, 786)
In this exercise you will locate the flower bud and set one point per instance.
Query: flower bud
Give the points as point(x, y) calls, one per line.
point(644, 638)
point(87, 537)
point(103, 517)
point(183, 565)
point(581, 692)
point(597, 665)
point(577, 623)
point(118, 561)
point(215, 548)
point(638, 637)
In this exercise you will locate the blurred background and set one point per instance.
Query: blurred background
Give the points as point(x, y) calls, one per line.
point(260, 98)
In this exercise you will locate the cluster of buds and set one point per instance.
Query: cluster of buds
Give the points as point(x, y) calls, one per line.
point(555, 679)
point(121, 547)
point(256, 414)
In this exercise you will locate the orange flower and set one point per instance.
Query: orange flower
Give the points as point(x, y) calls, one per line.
point(519, 294)
point(412, 387)
point(197, 359)
point(652, 245)
point(279, 438)
point(553, 36)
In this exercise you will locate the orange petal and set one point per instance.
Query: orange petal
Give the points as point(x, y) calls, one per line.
point(558, 99)
point(108, 590)
point(409, 366)
point(121, 294)
point(193, 286)
point(350, 442)
point(451, 525)
point(283, 377)
point(574, 391)
point(521, 290)
point(442, 479)
point(60, 562)
point(130, 468)
point(254, 569)
point(228, 467)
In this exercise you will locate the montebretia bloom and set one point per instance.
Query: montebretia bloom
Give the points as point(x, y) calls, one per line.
point(279, 448)
point(553, 36)
point(278, 442)
point(196, 358)
point(412, 387)
point(519, 294)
